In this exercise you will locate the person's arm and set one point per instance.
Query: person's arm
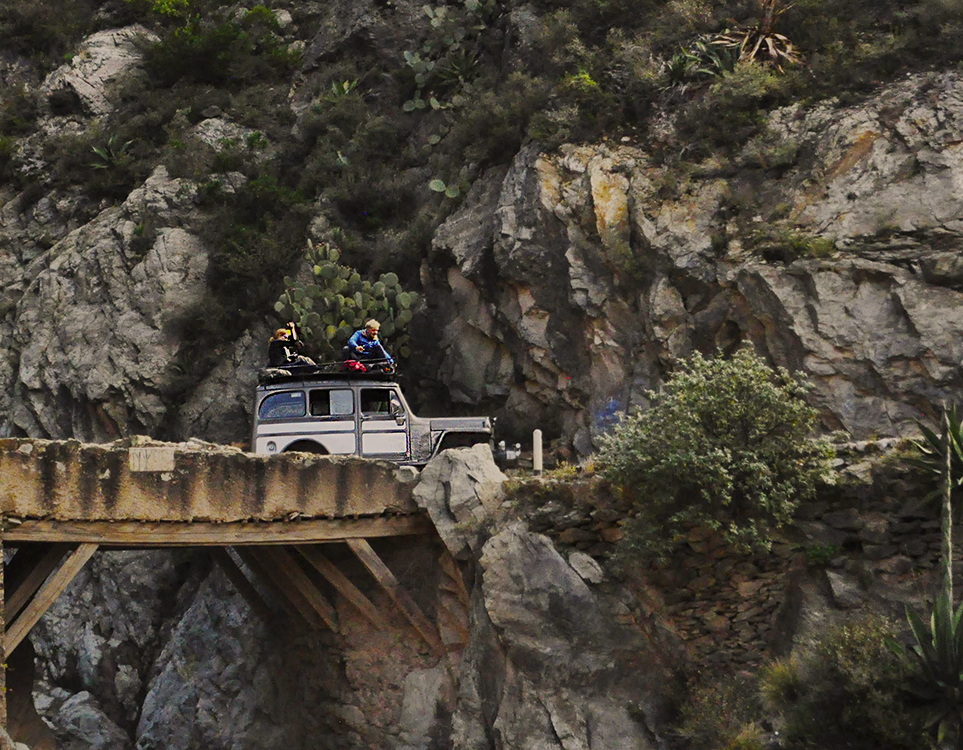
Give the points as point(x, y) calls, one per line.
point(384, 352)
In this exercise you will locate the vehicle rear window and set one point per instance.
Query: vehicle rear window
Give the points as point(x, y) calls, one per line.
point(286, 405)
point(332, 402)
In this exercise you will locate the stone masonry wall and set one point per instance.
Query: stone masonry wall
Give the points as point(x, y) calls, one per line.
point(861, 544)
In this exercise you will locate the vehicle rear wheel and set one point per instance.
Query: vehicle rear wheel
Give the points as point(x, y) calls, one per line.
point(462, 440)
point(306, 446)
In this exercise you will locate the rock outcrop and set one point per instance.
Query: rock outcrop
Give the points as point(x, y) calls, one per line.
point(548, 665)
point(575, 280)
point(83, 85)
point(565, 286)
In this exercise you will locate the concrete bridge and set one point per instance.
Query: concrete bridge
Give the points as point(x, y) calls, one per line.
point(266, 520)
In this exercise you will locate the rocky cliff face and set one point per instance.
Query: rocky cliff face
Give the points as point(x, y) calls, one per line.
point(573, 280)
point(565, 285)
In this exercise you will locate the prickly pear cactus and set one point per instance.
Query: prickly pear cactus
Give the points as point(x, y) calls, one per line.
point(339, 302)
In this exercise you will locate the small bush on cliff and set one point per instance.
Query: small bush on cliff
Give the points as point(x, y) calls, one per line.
point(725, 445)
point(853, 692)
point(720, 714)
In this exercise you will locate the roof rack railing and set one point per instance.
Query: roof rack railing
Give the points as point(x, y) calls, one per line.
point(381, 369)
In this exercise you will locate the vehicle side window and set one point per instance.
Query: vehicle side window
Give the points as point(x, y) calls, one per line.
point(285, 405)
point(328, 402)
point(376, 401)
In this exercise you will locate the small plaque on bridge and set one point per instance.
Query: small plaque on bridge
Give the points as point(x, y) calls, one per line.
point(152, 458)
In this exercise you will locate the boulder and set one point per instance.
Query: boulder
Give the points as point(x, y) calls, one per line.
point(98, 357)
point(82, 86)
point(546, 665)
point(461, 488)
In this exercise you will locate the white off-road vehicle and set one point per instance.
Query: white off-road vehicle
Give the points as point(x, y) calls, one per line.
point(325, 409)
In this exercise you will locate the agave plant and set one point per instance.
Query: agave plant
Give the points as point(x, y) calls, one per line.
point(760, 41)
point(930, 457)
point(938, 656)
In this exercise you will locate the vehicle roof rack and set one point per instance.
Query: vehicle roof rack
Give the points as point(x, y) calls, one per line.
point(372, 369)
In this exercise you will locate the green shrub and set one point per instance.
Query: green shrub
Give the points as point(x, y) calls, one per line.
point(732, 110)
point(18, 110)
point(819, 555)
point(105, 166)
point(720, 714)
point(929, 456)
point(220, 50)
point(855, 693)
point(780, 684)
point(726, 445)
point(339, 302)
point(255, 234)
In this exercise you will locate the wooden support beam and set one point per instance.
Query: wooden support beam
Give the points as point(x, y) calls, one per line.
point(296, 585)
point(202, 533)
point(454, 622)
point(240, 582)
point(254, 565)
point(457, 585)
point(390, 584)
point(35, 567)
point(347, 589)
point(53, 587)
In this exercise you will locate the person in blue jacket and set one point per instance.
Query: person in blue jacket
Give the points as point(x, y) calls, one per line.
point(364, 344)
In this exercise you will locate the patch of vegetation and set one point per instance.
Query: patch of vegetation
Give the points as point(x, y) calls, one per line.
point(938, 660)
point(339, 302)
point(18, 110)
point(219, 48)
point(721, 714)
point(107, 166)
point(777, 243)
point(726, 445)
point(819, 555)
point(930, 457)
point(255, 231)
point(854, 690)
point(46, 31)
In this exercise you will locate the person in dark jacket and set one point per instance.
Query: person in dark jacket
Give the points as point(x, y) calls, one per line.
point(283, 349)
point(365, 344)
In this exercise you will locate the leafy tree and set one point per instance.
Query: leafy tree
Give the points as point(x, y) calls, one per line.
point(725, 445)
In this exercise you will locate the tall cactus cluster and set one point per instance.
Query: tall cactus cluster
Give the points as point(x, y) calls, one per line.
point(339, 302)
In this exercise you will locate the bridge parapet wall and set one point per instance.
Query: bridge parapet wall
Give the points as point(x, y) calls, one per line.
point(145, 480)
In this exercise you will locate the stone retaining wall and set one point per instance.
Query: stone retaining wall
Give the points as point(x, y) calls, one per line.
point(862, 543)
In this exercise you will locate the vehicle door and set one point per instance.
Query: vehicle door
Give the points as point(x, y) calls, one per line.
point(332, 415)
point(384, 423)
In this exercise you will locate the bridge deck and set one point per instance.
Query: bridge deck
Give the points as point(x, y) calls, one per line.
point(137, 479)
